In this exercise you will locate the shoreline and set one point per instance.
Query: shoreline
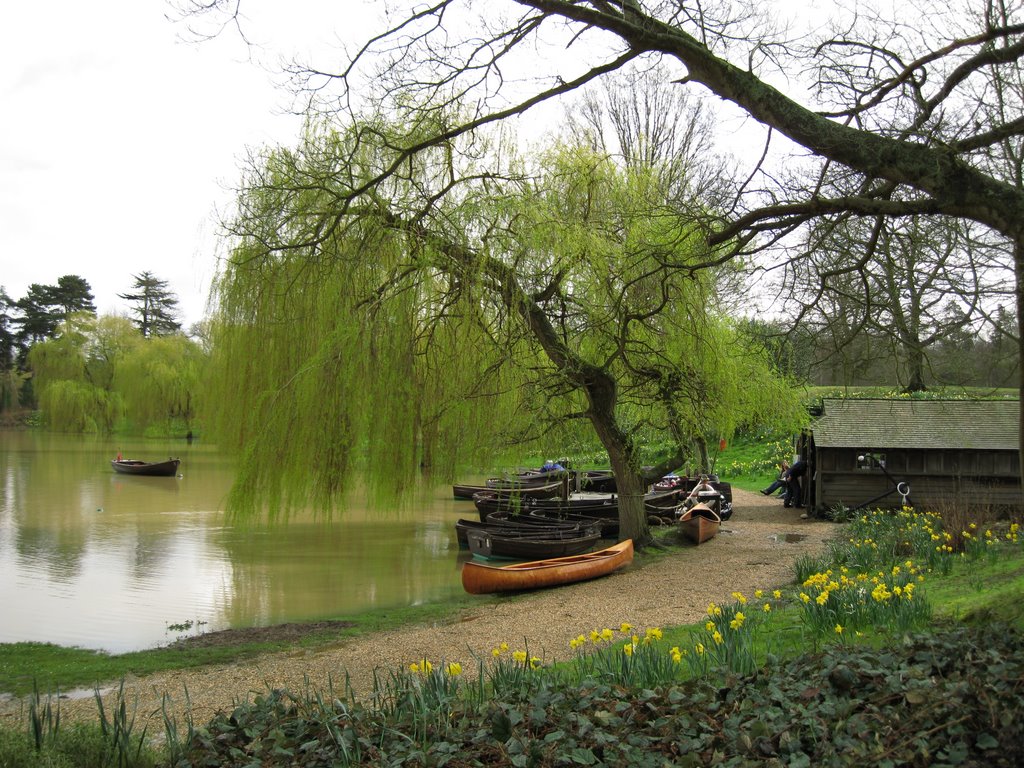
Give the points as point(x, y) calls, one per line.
point(755, 549)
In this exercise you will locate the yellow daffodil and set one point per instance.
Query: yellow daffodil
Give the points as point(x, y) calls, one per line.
point(424, 667)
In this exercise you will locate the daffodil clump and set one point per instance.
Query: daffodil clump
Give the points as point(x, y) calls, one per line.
point(977, 542)
point(425, 689)
point(837, 601)
point(626, 656)
point(726, 639)
point(513, 670)
point(875, 573)
point(880, 539)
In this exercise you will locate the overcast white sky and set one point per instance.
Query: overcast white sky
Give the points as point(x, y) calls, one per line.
point(118, 141)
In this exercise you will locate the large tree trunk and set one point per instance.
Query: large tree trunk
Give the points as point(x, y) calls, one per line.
point(622, 452)
point(631, 489)
point(601, 390)
point(915, 368)
point(1018, 266)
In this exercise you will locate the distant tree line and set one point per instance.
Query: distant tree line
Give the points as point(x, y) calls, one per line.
point(966, 353)
point(90, 373)
point(38, 314)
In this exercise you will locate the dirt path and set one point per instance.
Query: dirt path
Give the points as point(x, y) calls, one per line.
point(755, 549)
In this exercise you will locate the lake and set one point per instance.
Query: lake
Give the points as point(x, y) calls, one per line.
point(100, 560)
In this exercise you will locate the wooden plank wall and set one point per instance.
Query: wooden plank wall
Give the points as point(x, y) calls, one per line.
point(934, 478)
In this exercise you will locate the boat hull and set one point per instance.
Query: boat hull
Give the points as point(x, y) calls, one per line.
point(545, 491)
point(535, 528)
point(496, 545)
point(699, 523)
point(480, 578)
point(167, 468)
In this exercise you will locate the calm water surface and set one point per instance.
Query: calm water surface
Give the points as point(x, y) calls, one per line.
point(107, 561)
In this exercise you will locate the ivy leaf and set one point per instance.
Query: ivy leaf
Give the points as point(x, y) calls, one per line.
point(582, 756)
point(501, 726)
point(986, 741)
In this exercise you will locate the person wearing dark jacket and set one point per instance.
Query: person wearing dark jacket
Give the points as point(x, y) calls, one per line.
point(794, 497)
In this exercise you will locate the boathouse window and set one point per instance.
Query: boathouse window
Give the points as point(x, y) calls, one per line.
point(870, 460)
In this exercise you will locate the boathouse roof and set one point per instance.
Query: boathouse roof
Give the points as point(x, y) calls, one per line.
point(922, 424)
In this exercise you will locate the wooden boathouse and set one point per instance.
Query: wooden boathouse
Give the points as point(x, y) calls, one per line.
point(873, 452)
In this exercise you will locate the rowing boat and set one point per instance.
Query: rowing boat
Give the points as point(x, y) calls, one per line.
point(480, 578)
point(515, 545)
point(699, 523)
point(136, 467)
point(517, 526)
point(545, 491)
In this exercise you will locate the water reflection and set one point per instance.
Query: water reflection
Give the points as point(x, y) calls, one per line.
point(100, 560)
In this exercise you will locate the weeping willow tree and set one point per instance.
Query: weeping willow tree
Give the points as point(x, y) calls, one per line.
point(98, 371)
point(76, 406)
point(351, 354)
point(12, 382)
point(160, 379)
point(383, 313)
point(72, 385)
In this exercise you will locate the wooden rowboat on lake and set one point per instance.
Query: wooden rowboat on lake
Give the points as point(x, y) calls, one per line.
point(699, 523)
point(167, 468)
point(481, 579)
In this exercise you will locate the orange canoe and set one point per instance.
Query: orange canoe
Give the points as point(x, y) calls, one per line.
point(699, 523)
point(480, 579)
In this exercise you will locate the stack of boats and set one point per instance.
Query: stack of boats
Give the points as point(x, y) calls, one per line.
point(552, 520)
point(538, 514)
point(545, 514)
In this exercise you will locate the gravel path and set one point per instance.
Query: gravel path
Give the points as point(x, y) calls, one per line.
point(755, 549)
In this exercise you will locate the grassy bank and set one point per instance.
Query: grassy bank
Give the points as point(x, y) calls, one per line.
point(46, 667)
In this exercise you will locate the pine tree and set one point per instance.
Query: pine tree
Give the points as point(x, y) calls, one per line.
point(155, 306)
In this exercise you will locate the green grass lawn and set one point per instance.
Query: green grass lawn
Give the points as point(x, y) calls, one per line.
point(47, 667)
